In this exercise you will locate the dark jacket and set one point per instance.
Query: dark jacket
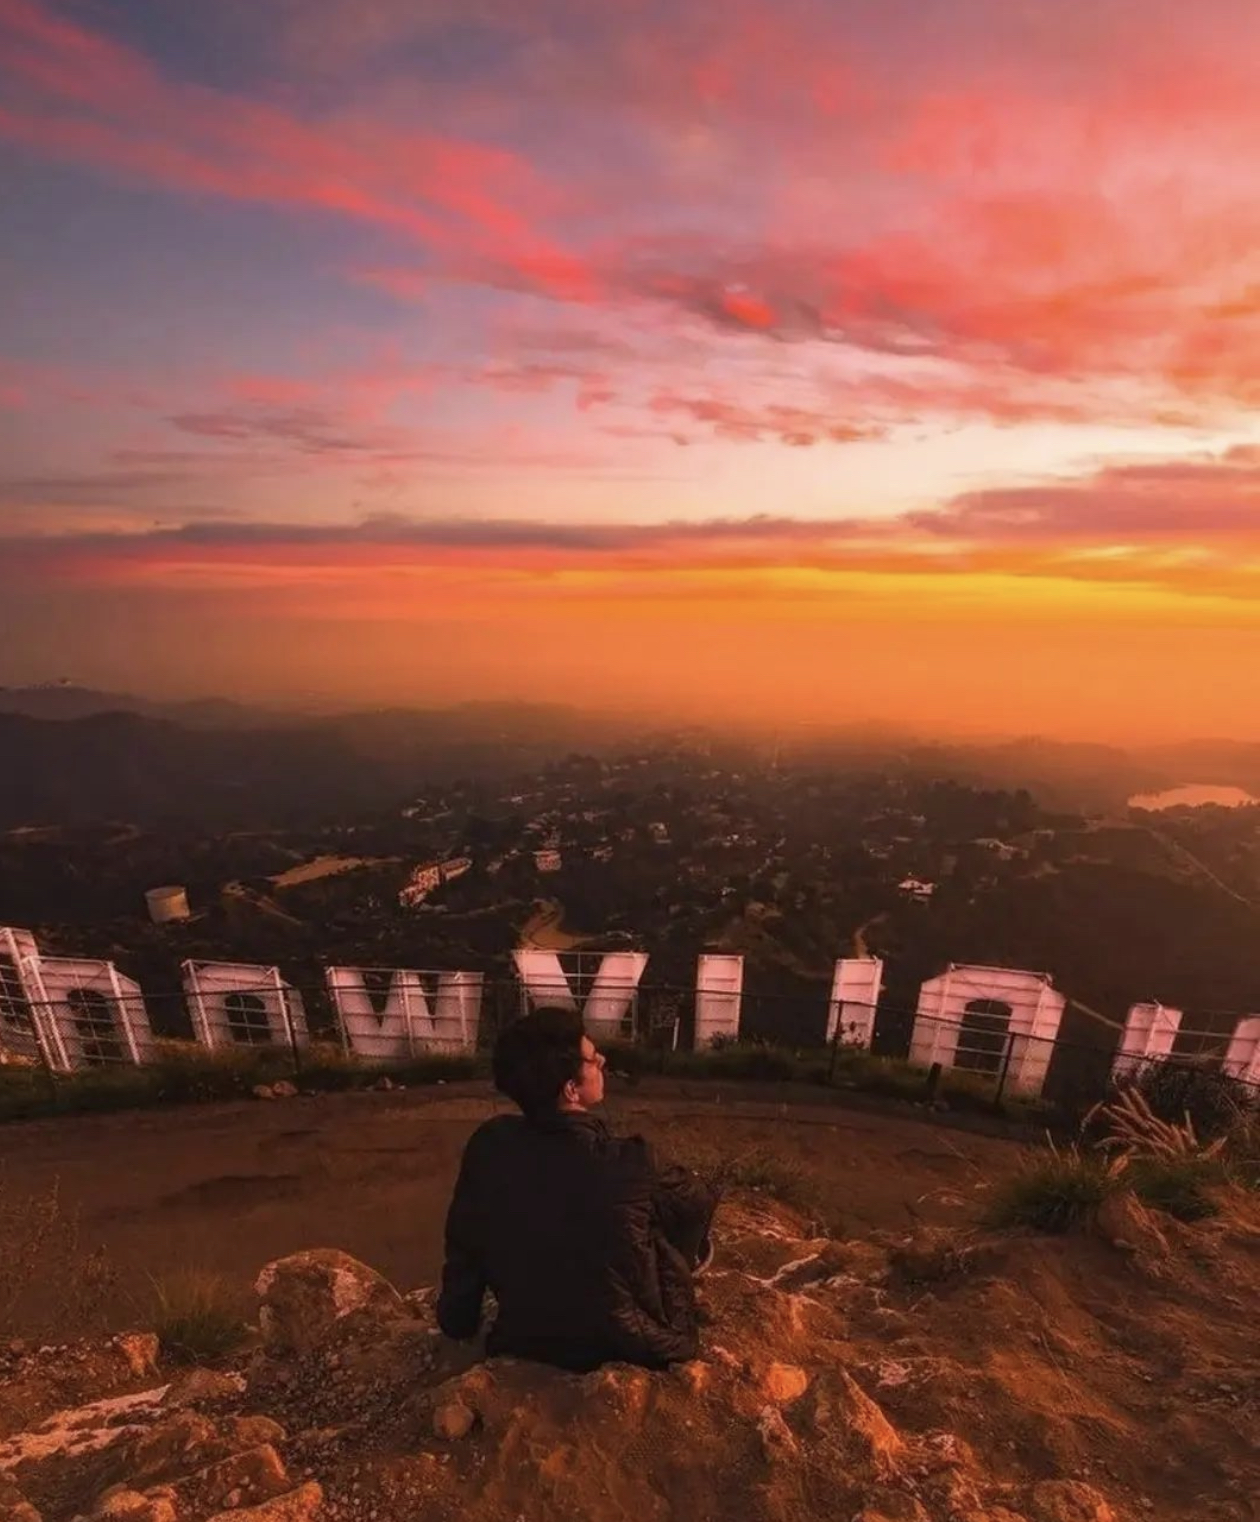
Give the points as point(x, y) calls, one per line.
point(584, 1241)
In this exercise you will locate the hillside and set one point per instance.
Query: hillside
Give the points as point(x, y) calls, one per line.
point(74, 762)
point(491, 737)
point(898, 1373)
point(63, 702)
point(152, 771)
point(935, 1379)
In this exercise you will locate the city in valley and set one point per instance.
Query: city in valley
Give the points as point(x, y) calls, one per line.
point(789, 853)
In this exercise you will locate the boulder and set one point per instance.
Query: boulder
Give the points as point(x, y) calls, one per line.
point(184, 1441)
point(626, 1389)
point(694, 1376)
point(783, 1383)
point(139, 1351)
point(843, 1411)
point(777, 1438)
point(300, 1505)
point(305, 1295)
point(453, 1420)
point(283, 1089)
point(249, 1431)
point(254, 1475)
point(201, 1387)
point(14, 1507)
point(121, 1504)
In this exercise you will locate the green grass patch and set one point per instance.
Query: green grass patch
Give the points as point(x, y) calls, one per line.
point(1180, 1187)
point(1054, 1191)
point(196, 1316)
point(185, 1073)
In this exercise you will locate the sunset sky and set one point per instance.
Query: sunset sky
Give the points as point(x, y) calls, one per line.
point(831, 359)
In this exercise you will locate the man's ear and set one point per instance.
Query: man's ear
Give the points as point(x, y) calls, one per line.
point(570, 1092)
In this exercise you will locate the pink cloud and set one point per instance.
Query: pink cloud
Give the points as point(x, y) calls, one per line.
point(730, 419)
point(1032, 217)
point(77, 94)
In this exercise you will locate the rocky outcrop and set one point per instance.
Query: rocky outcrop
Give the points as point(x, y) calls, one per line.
point(926, 1379)
point(176, 1465)
point(305, 1295)
point(36, 1381)
point(14, 1507)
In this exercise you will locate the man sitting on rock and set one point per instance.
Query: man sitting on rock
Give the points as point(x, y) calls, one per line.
point(586, 1242)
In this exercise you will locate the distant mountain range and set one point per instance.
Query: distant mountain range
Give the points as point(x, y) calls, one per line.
point(71, 754)
point(63, 701)
point(83, 756)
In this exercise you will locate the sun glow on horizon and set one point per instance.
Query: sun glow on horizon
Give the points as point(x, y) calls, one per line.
point(737, 367)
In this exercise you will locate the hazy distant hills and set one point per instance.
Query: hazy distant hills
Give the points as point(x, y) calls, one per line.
point(371, 729)
point(63, 702)
point(71, 754)
point(125, 766)
point(68, 766)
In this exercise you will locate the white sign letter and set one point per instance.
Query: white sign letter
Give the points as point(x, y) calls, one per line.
point(1242, 1060)
point(719, 998)
point(95, 1014)
point(969, 1016)
point(237, 1003)
point(406, 1019)
point(1149, 1033)
point(854, 995)
point(609, 994)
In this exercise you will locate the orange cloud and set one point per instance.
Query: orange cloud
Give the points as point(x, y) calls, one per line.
point(1173, 534)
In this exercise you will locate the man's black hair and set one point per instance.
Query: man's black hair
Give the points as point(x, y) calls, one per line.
point(536, 1056)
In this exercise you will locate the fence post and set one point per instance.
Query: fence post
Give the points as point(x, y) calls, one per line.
point(1007, 1053)
point(45, 1061)
point(835, 1048)
point(282, 994)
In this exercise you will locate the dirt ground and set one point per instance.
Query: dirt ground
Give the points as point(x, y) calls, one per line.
point(229, 1187)
point(866, 1353)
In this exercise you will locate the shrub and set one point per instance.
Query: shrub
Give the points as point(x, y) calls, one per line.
point(1180, 1187)
point(1054, 1190)
point(196, 1316)
point(856, 1068)
point(183, 1072)
point(1242, 1151)
point(187, 1073)
point(626, 1060)
point(1210, 1099)
point(754, 1061)
point(40, 1246)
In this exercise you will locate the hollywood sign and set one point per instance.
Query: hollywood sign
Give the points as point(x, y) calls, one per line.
point(60, 1010)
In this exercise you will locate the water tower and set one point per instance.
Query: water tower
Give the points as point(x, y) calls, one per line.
point(167, 904)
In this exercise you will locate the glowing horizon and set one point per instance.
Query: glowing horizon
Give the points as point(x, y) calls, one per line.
point(895, 359)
